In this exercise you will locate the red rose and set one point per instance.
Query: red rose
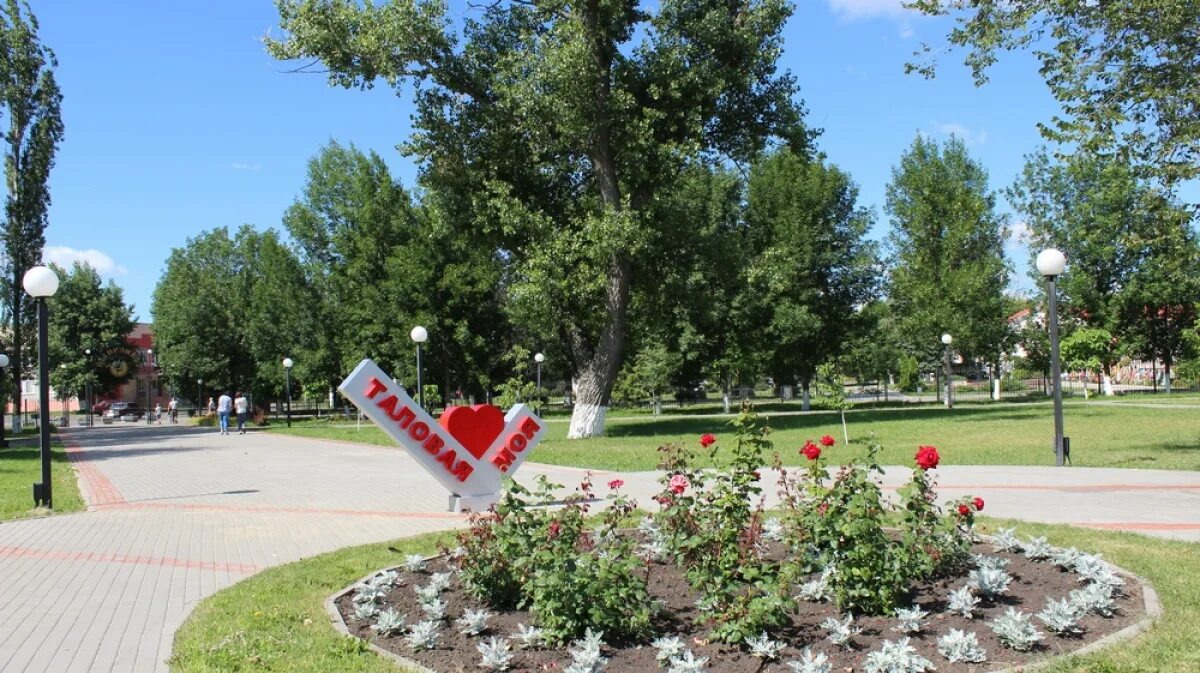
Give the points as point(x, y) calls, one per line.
point(978, 504)
point(615, 484)
point(811, 451)
point(828, 440)
point(963, 510)
point(927, 457)
point(554, 528)
point(706, 440)
point(757, 475)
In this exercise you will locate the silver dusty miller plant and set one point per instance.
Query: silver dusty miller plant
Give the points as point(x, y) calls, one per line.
point(841, 632)
point(1092, 568)
point(529, 637)
point(687, 663)
point(667, 648)
point(423, 635)
point(1097, 598)
point(817, 589)
point(989, 581)
point(389, 623)
point(961, 646)
point(441, 581)
point(1037, 549)
point(962, 602)
point(414, 563)
point(1065, 558)
point(428, 593)
point(985, 561)
point(473, 622)
point(585, 654)
point(367, 593)
point(764, 648)
point(897, 657)
point(1005, 539)
point(1062, 617)
point(495, 654)
point(911, 619)
point(365, 611)
point(1016, 630)
point(435, 610)
point(772, 529)
point(811, 663)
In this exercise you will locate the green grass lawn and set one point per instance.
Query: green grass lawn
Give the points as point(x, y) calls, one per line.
point(275, 621)
point(20, 467)
point(1101, 436)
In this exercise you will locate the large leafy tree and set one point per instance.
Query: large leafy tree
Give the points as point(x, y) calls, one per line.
point(1127, 72)
point(383, 264)
point(88, 315)
point(812, 270)
point(948, 268)
point(554, 126)
point(228, 309)
point(1102, 216)
point(30, 98)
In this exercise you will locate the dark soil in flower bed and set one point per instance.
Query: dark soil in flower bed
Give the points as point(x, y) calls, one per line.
point(1032, 584)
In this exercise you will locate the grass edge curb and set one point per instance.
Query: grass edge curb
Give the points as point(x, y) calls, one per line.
point(339, 624)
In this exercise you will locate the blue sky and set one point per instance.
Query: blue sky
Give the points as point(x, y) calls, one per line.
point(177, 121)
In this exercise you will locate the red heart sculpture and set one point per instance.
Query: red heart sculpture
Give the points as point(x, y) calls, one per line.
point(474, 427)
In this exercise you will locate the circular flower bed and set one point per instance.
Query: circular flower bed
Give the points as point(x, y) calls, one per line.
point(710, 583)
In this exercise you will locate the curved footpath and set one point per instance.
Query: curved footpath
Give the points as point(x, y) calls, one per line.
point(176, 514)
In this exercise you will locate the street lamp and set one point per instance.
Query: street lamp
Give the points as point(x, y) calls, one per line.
point(87, 386)
point(539, 359)
point(1051, 263)
point(419, 336)
point(287, 376)
point(149, 364)
point(3, 402)
point(41, 283)
point(199, 394)
point(947, 340)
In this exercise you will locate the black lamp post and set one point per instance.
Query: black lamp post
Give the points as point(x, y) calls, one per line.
point(287, 375)
point(3, 402)
point(1051, 263)
point(199, 395)
point(87, 386)
point(419, 336)
point(947, 340)
point(41, 283)
point(539, 359)
point(149, 370)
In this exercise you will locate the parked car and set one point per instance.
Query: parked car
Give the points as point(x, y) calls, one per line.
point(100, 406)
point(124, 411)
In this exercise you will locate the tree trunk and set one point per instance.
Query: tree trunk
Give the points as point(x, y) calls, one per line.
point(598, 372)
point(15, 362)
point(805, 398)
point(1166, 376)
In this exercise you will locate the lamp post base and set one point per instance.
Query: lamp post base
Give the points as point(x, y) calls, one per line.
point(40, 496)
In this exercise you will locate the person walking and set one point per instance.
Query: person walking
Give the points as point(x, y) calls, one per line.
point(241, 405)
point(158, 412)
point(173, 410)
point(224, 406)
point(212, 407)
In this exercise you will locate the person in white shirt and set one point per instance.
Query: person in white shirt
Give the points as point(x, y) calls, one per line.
point(241, 405)
point(173, 410)
point(158, 412)
point(224, 406)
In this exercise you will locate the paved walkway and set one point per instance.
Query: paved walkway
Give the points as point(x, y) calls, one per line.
point(177, 514)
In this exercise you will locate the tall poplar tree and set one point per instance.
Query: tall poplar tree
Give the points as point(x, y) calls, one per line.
point(30, 98)
point(948, 269)
point(557, 125)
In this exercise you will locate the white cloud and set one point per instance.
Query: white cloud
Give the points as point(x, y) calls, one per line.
point(245, 167)
point(971, 138)
point(66, 257)
point(1020, 233)
point(852, 10)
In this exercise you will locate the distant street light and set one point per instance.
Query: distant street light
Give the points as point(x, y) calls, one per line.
point(199, 393)
point(87, 386)
point(287, 375)
point(3, 402)
point(419, 336)
point(41, 283)
point(539, 359)
point(1051, 263)
point(947, 340)
point(149, 365)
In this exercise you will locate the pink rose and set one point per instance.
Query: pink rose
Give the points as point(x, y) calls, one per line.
point(679, 484)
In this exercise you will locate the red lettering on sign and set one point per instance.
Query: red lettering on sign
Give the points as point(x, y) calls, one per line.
point(463, 470)
point(517, 443)
point(388, 404)
point(404, 416)
point(503, 459)
point(529, 427)
point(418, 431)
point(434, 444)
point(447, 459)
point(374, 387)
